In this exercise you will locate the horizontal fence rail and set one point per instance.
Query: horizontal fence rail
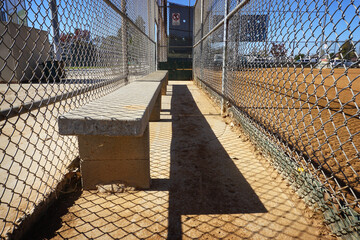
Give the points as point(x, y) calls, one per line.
point(289, 72)
point(56, 56)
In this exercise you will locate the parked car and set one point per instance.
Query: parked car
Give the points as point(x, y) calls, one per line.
point(357, 64)
point(303, 61)
point(341, 63)
point(307, 62)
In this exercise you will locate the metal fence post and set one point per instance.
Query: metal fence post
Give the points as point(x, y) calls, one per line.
point(124, 42)
point(202, 34)
point(223, 80)
point(55, 28)
point(322, 51)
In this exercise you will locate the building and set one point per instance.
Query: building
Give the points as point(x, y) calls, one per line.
point(13, 11)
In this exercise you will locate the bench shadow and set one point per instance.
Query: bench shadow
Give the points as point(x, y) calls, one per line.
point(48, 225)
point(203, 177)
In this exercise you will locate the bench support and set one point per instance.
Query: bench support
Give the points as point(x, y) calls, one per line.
point(164, 86)
point(155, 114)
point(124, 159)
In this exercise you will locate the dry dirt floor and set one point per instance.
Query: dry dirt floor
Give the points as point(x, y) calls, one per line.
point(207, 183)
point(315, 111)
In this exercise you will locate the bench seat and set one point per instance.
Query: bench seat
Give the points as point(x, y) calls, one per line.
point(113, 133)
point(157, 76)
point(124, 112)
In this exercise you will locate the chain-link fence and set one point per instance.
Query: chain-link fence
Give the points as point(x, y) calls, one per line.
point(289, 72)
point(55, 56)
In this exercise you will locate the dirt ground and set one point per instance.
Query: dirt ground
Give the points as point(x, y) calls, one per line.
point(314, 111)
point(207, 183)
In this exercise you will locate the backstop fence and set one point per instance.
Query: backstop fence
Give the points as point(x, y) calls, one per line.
point(288, 72)
point(55, 56)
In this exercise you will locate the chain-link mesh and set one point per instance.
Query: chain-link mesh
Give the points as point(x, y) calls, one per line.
point(214, 11)
point(197, 19)
point(56, 56)
point(212, 59)
point(292, 73)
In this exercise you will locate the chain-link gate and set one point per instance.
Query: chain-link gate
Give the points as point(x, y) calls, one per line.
point(289, 71)
point(55, 56)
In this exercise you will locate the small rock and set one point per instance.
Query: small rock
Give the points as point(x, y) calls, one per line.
point(114, 188)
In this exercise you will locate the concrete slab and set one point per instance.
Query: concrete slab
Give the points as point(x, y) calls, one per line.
point(123, 160)
point(134, 173)
point(110, 148)
point(124, 112)
point(157, 76)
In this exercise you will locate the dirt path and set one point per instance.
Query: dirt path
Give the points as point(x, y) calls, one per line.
point(206, 184)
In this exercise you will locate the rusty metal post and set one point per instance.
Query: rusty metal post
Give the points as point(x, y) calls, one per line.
point(124, 41)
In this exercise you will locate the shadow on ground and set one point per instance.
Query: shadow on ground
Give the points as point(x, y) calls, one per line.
point(203, 178)
point(52, 220)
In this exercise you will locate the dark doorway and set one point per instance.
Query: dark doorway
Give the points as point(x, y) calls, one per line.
point(179, 62)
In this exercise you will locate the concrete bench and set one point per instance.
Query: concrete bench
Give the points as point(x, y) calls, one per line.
point(113, 133)
point(158, 76)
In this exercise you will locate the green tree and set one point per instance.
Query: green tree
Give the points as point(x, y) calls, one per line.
point(299, 56)
point(347, 50)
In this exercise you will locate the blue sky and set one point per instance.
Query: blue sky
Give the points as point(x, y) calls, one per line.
point(183, 2)
point(300, 23)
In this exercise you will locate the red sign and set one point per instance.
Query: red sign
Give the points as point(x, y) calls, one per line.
point(175, 19)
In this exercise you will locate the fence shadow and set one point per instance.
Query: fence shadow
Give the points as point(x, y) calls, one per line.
point(203, 177)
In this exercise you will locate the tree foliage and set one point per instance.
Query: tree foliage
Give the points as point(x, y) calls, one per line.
point(299, 56)
point(278, 50)
point(347, 50)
